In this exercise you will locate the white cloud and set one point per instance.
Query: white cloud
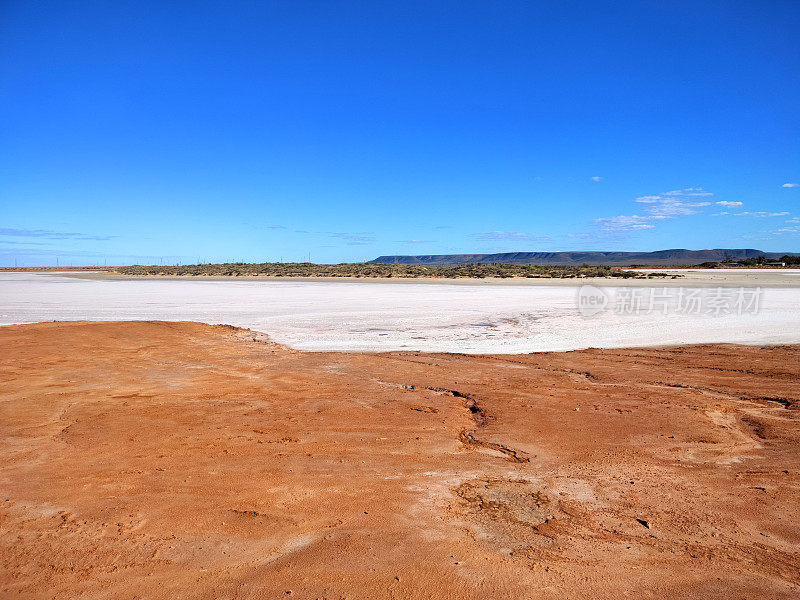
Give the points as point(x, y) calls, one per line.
point(785, 230)
point(790, 185)
point(761, 214)
point(692, 191)
point(597, 178)
point(728, 203)
point(719, 214)
point(625, 223)
point(676, 202)
point(668, 205)
point(673, 207)
point(794, 220)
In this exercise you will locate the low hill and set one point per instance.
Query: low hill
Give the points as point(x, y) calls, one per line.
point(659, 257)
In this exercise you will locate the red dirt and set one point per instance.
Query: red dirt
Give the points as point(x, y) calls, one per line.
point(178, 460)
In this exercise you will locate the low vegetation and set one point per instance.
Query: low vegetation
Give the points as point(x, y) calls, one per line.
point(381, 270)
point(786, 260)
point(790, 261)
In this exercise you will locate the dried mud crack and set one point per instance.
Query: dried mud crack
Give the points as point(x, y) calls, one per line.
point(480, 418)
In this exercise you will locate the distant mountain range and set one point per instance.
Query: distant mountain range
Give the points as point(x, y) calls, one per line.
point(659, 257)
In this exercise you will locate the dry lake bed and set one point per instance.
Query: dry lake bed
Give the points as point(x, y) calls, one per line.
point(518, 316)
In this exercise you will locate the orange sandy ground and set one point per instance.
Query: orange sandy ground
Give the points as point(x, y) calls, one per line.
point(178, 460)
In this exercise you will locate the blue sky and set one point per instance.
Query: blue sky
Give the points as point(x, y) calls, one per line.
point(147, 131)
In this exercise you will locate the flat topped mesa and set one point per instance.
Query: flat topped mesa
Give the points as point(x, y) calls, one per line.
point(658, 257)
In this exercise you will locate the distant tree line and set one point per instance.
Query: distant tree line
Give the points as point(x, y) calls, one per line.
point(755, 261)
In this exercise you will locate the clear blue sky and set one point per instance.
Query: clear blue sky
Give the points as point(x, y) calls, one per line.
point(133, 131)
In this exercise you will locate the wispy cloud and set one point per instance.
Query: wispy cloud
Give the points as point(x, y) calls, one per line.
point(625, 223)
point(786, 230)
point(502, 235)
point(69, 254)
point(692, 191)
point(354, 239)
point(26, 243)
point(414, 241)
point(667, 205)
point(728, 203)
point(790, 185)
point(676, 202)
point(276, 227)
point(761, 214)
point(52, 235)
point(596, 178)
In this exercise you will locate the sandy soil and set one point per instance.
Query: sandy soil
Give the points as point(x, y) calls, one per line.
point(179, 460)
